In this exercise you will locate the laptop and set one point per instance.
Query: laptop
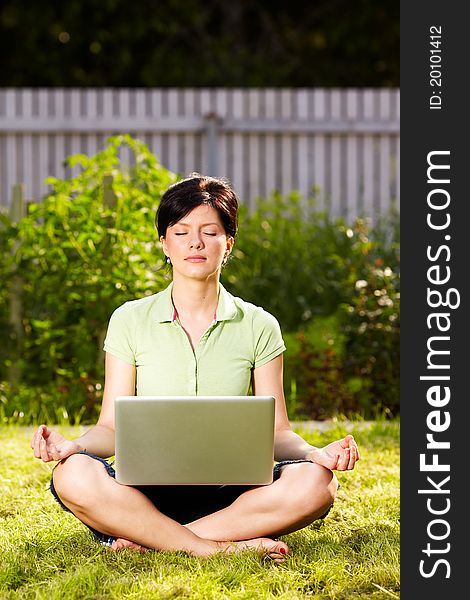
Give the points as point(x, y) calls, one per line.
point(200, 440)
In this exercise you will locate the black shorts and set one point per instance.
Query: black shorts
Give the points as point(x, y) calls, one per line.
point(182, 503)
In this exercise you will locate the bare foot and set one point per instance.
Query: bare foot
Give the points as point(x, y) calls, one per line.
point(274, 549)
point(121, 543)
point(265, 546)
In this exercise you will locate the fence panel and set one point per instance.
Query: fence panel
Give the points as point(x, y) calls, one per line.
point(342, 143)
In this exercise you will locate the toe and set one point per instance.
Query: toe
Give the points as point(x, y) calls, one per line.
point(120, 544)
point(282, 548)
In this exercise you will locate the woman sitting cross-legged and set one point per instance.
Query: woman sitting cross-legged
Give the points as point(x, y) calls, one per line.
point(194, 325)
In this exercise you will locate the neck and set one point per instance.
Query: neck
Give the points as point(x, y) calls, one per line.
point(194, 297)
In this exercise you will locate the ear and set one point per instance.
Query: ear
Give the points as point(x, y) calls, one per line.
point(229, 245)
point(163, 243)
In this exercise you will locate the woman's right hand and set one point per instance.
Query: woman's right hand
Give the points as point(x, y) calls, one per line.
point(49, 445)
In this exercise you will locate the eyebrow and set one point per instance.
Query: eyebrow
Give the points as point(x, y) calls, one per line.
point(189, 224)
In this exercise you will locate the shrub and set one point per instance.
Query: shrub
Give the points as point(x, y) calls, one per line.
point(79, 257)
point(314, 380)
point(350, 362)
point(87, 248)
point(51, 402)
point(371, 324)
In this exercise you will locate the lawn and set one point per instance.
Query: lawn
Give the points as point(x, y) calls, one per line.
point(353, 553)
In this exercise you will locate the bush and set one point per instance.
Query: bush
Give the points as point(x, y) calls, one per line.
point(78, 257)
point(371, 325)
point(349, 363)
point(314, 380)
point(87, 248)
point(73, 404)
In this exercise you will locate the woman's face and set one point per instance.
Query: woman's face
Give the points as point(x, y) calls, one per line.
point(197, 244)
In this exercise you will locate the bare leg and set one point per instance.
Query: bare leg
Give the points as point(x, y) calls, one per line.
point(302, 494)
point(121, 511)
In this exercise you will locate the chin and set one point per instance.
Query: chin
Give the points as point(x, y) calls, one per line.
point(201, 272)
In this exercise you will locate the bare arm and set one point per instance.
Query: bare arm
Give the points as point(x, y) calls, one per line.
point(49, 445)
point(288, 445)
point(119, 381)
point(268, 381)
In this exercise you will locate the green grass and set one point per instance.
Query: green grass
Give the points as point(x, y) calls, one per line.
point(354, 553)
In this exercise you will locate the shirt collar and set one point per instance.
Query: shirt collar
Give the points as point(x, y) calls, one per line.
point(164, 311)
point(226, 307)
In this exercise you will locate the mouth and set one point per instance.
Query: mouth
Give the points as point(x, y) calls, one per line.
point(195, 259)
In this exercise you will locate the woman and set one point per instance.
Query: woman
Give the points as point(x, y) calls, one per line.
point(194, 338)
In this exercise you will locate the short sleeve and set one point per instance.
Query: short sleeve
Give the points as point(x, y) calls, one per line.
point(119, 340)
point(268, 341)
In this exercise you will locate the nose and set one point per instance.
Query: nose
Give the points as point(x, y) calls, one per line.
point(195, 242)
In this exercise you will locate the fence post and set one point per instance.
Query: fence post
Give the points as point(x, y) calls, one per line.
point(212, 132)
point(17, 212)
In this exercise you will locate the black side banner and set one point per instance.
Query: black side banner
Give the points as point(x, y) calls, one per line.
point(435, 327)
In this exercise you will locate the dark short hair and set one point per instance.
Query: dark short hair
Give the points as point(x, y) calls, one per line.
point(185, 195)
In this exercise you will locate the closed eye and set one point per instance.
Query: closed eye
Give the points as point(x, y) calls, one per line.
point(209, 233)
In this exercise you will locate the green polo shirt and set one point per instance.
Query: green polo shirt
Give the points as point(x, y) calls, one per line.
point(146, 333)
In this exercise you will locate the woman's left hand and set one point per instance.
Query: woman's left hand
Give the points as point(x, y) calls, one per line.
point(339, 456)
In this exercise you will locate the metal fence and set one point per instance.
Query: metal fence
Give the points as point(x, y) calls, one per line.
point(341, 143)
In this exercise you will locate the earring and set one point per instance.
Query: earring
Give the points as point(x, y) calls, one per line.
point(168, 260)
